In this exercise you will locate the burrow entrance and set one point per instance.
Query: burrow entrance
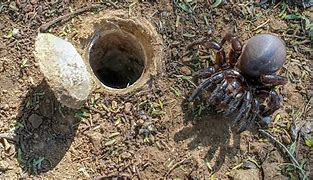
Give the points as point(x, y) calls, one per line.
point(123, 53)
point(117, 59)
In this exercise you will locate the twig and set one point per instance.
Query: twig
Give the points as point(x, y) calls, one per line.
point(283, 146)
point(260, 26)
point(138, 173)
point(112, 4)
point(294, 160)
point(45, 27)
point(176, 165)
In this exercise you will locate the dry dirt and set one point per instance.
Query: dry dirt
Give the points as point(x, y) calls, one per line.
point(152, 133)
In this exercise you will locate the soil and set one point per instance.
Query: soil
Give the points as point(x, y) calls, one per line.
point(150, 133)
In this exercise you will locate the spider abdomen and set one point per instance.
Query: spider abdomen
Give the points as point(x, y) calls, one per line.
point(263, 54)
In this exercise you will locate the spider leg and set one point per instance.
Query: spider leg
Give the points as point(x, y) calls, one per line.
point(219, 91)
point(233, 89)
point(273, 80)
point(253, 114)
point(244, 122)
point(204, 73)
point(255, 111)
point(262, 94)
point(236, 48)
point(220, 58)
point(234, 104)
point(208, 83)
point(226, 100)
point(245, 108)
point(233, 74)
point(273, 105)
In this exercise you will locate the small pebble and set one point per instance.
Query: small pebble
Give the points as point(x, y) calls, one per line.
point(128, 107)
point(114, 105)
point(5, 107)
point(34, 2)
point(96, 139)
point(286, 139)
point(126, 155)
point(6, 144)
point(16, 33)
point(248, 165)
point(174, 52)
point(4, 166)
point(35, 120)
point(249, 174)
point(185, 70)
point(164, 14)
point(186, 60)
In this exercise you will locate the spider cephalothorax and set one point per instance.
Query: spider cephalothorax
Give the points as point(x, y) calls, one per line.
point(244, 82)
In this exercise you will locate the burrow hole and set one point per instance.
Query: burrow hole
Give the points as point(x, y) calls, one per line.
point(116, 58)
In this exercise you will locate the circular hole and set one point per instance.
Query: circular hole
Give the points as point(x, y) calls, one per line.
point(116, 58)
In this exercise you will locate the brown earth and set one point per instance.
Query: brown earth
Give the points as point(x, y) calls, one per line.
point(152, 133)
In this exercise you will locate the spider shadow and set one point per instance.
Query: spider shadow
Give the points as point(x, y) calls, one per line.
point(44, 130)
point(211, 130)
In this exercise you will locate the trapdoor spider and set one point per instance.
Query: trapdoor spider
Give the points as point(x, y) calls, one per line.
point(245, 81)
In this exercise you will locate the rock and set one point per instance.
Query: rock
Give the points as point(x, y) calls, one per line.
point(272, 171)
point(240, 174)
point(16, 33)
point(114, 105)
point(186, 60)
point(174, 52)
point(63, 69)
point(35, 120)
point(248, 165)
point(128, 107)
point(307, 129)
point(4, 166)
point(147, 128)
point(4, 107)
point(34, 2)
point(185, 70)
point(96, 139)
point(286, 139)
point(6, 145)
